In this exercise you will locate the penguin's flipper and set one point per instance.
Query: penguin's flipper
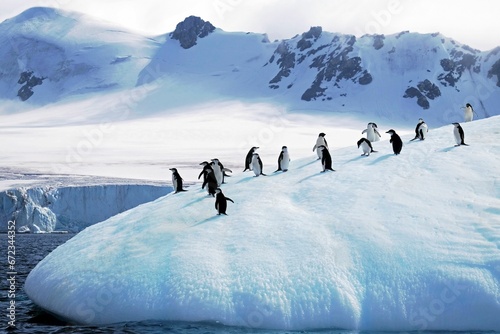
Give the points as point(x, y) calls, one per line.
point(227, 198)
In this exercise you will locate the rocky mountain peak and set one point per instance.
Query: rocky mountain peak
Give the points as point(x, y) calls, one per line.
point(188, 31)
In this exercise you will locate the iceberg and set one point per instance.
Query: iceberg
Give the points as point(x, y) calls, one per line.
point(387, 243)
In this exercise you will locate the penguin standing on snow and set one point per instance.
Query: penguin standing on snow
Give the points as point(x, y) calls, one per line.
point(420, 130)
point(397, 143)
point(459, 134)
point(468, 113)
point(176, 180)
point(283, 160)
point(326, 159)
point(372, 133)
point(209, 179)
point(321, 141)
point(219, 171)
point(366, 145)
point(248, 158)
point(221, 202)
point(257, 166)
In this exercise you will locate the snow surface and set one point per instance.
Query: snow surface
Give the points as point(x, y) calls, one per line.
point(407, 242)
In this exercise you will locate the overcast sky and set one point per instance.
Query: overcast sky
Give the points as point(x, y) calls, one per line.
point(476, 23)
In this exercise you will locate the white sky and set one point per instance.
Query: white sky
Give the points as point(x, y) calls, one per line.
point(475, 23)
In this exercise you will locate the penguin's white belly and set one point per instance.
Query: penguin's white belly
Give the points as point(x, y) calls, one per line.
point(458, 140)
point(366, 148)
point(256, 167)
point(285, 162)
point(371, 135)
point(468, 115)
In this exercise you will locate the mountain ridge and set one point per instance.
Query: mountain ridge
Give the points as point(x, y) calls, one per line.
point(418, 75)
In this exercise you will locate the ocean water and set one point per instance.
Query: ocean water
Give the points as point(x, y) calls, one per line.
point(32, 248)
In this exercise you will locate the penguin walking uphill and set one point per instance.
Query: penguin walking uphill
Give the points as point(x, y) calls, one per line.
point(397, 143)
point(283, 160)
point(257, 165)
point(459, 134)
point(372, 133)
point(221, 202)
point(420, 130)
point(209, 179)
point(176, 181)
point(248, 158)
point(321, 141)
point(468, 113)
point(366, 145)
point(326, 159)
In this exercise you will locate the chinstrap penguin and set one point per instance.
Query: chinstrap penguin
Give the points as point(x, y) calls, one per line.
point(397, 143)
point(468, 113)
point(420, 130)
point(321, 141)
point(326, 159)
point(221, 202)
point(248, 158)
point(459, 134)
point(372, 133)
point(283, 160)
point(176, 181)
point(366, 145)
point(257, 166)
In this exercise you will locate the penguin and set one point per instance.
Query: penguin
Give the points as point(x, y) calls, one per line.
point(420, 130)
point(397, 143)
point(176, 180)
point(366, 145)
point(326, 159)
point(321, 141)
point(372, 133)
point(219, 170)
point(248, 158)
point(469, 113)
point(208, 178)
point(458, 132)
point(257, 165)
point(221, 202)
point(283, 160)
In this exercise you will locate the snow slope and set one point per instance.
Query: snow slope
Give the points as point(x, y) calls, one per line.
point(408, 242)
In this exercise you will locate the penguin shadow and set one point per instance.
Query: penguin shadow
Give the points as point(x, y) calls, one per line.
point(309, 163)
point(382, 158)
point(312, 176)
point(207, 220)
point(359, 157)
point(448, 149)
point(197, 200)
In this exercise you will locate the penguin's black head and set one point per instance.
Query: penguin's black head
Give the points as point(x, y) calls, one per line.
point(255, 148)
point(420, 120)
point(373, 125)
point(468, 105)
point(218, 191)
point(391, 132)
point(361, 141)
point(174, 170)
point(322, 134)
point(204, 163)
point(284, 148)
point(456, 124)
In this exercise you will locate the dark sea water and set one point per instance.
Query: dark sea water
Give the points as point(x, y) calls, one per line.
point(32, 248)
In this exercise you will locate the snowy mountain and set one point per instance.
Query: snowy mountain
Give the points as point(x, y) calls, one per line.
point(385, 243)
point(48, 54)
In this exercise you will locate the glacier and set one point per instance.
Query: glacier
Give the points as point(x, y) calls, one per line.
point(387, 243)
point(45, 209)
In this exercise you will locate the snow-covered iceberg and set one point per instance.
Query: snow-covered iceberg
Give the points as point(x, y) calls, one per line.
point(407, 242)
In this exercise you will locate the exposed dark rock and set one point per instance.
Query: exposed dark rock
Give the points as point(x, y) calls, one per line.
point(29, 80)
point(188, 31)
point(495, 70)
point(454, 66)
point(308, 38)
point(421, 99)
point(425, 90)
point(378, 41)
point(286, 62)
